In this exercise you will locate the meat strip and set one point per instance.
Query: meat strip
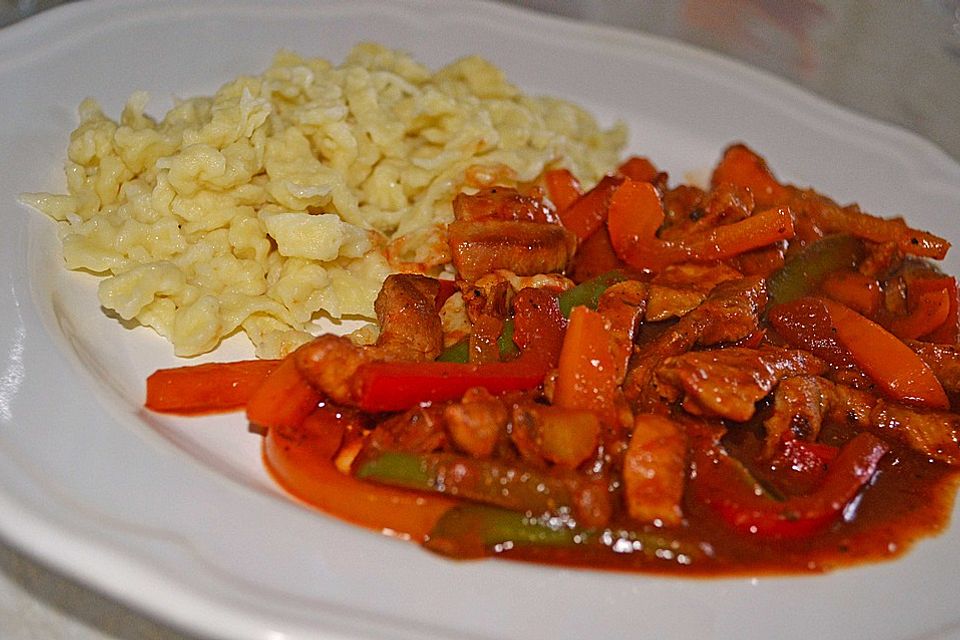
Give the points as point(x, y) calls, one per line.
point(525, 248)
point(728, 383)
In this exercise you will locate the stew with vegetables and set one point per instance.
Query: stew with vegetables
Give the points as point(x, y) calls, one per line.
point(747, 377)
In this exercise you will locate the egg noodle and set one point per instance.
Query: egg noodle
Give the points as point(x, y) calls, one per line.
point(291, 195)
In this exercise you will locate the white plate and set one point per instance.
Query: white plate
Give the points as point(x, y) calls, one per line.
point(178, 518)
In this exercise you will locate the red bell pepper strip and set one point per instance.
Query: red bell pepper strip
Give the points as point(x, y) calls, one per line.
point(804, 323)
point(726, 487)
point(840, 335)
point(538, 332)
point(206, 388)
point(594, 257)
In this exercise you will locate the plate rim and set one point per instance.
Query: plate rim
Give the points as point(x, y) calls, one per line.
point(36, 539)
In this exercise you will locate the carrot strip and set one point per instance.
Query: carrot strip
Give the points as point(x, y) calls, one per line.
point(206, 388)
point(635, 214)
point(284, 399)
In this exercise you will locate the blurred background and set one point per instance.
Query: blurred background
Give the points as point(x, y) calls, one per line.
point(894, 60)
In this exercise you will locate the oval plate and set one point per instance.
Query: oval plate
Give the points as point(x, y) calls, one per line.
point(177, 517)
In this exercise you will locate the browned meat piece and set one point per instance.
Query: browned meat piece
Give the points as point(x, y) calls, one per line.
point(724, 204)
point(419, 430)
point(680, 288)
point(329, 363)
point(800, 405)
point(501, 203)
point(666, 302)
point(410, 329)
point(696, 276)
point(409, 322)
point(729, 382)
point(851, 406)
point(525, 248)
point(943, 359)
point(475, 423)
point(655, 470)
point(622, 306)
point(730, 313)
point(932, 433)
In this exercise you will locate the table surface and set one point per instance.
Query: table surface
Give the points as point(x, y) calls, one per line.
point(892, 60)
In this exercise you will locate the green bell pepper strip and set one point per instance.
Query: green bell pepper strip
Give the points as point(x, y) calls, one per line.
point(474, 530)
point(584, 294)
point(804, 272)
point(510, 486)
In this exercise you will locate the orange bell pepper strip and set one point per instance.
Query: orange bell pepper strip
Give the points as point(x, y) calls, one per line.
point(206, 388)
point(729, 240)
point(859, 292)
point(563, 188)
point(284, 399)
point(949, 331)
point(587, 370)
point(299, 459)
point(636, 213)
point(914, 242)
point(638, 169)
point(588, 212)
point(927, 309)
point(834, 329)
point(742, 167)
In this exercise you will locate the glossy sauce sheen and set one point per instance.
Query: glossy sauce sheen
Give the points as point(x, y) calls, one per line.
point(911, 498)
